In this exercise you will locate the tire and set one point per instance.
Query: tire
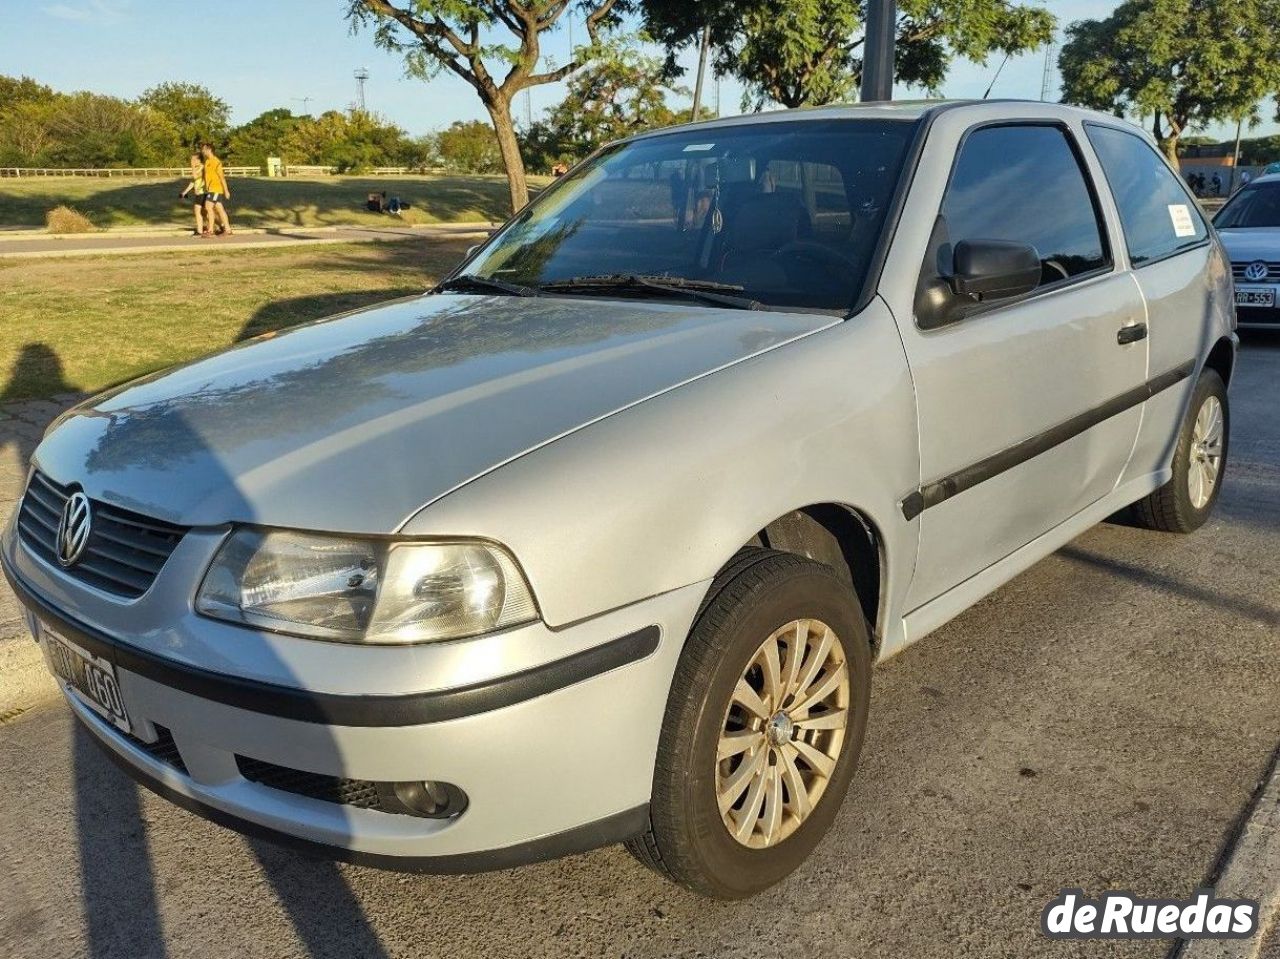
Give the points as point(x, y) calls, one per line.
point(1180, 506)
point(786, 805)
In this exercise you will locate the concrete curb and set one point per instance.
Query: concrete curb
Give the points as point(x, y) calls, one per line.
point(1249, 869)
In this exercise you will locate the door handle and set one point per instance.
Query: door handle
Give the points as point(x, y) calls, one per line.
point(1132, 333)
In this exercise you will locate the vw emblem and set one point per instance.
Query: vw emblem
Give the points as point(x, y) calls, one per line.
point(74, 528)
point(1255, 271)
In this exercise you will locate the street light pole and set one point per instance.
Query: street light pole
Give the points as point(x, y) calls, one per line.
point(877, 51)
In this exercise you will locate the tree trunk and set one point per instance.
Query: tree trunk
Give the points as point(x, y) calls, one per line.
point(512, 162)
point(1170, 146)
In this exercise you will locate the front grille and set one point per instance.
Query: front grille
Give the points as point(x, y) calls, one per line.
point(1273, 271)
point(163, 749)
point(125, 550)
point(360, 793)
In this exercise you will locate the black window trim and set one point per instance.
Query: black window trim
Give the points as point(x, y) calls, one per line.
point(1104, 233)
point(1195, 204)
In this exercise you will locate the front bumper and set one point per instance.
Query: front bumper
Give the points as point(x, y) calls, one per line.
point(554, 757)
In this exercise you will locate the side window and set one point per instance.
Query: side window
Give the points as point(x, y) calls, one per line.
point(1024, 184)
point(1158, 216)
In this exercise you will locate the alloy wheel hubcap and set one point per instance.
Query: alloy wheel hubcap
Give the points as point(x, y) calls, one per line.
point(1206, 452)
point(782, 733)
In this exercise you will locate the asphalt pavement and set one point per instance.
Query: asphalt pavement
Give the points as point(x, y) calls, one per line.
point(1101, 722)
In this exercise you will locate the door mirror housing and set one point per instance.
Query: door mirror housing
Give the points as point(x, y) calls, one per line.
point(994, 269)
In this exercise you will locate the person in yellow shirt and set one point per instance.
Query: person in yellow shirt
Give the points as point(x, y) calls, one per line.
point(215, 183)
point(197, 191)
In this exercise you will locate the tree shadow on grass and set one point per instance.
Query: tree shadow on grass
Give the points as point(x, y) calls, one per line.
point(263, 202)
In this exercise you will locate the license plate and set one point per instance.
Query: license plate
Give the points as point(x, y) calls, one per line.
point(91, 678)
point(1266, 297)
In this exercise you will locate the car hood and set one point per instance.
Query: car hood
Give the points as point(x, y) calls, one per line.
point(1245, 246)
point(355, 423)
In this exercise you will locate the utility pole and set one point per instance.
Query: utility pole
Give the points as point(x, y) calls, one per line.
point(702, 69)
point(361, 76)
point(1235, 163)
point(877, 51)
point(1047, 80)
point(304, 101)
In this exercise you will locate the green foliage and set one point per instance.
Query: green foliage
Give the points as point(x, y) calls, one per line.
point(808, 52)
point(621, 93)
point(1183, 63)
point(350, 142)
point(264, 136)
point(40, 127)
point(469, 147)
point(194, 111)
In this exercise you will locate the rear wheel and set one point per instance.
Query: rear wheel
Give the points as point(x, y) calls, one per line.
point(1184, 503)
point(763, 728)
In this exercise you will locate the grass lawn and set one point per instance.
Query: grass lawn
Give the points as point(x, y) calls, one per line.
point(86, 324)
point(258, 201)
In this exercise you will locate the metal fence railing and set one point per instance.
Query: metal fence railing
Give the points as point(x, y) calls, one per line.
point(176, 171)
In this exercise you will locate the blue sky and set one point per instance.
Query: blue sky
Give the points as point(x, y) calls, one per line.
point(259, 54)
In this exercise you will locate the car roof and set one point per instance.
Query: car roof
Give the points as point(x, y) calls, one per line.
point(906, 110)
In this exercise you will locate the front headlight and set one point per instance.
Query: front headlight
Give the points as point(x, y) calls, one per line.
point(364, 591)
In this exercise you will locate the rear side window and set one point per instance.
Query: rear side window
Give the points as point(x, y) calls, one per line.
point(1158, 215)
point(1025, 184)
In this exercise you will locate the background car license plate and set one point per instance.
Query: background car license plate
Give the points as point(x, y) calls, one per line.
point(1265, 297)
point(92, 677)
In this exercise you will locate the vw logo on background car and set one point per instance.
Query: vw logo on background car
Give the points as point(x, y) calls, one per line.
point(74, 528)
point(1255, 271)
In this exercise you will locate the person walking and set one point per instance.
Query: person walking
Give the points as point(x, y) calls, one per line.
point(197, 191)
point(215, 181)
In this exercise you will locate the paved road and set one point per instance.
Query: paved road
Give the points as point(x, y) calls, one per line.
point(1099, 722)
point(99, 244)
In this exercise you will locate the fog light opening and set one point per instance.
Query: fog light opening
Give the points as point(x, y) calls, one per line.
point(429, 799)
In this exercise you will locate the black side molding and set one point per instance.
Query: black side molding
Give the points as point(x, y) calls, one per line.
point(941, 490)
point(603, 832)
point(289, 702)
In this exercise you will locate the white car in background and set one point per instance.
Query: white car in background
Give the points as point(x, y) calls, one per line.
point(1250, 228)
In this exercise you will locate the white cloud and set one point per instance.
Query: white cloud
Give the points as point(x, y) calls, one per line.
point(87, 11)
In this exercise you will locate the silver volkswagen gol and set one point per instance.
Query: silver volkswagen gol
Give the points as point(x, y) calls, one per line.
point(599, 540)
point(1250, 229)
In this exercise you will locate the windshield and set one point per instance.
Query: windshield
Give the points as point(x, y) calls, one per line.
point(786, 213)
point(1254, 206)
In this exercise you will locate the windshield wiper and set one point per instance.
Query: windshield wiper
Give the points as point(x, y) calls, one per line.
point(707, 291)
point(485, 284)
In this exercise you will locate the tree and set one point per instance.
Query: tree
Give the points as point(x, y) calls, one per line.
point(621, 93)
point(193, 110)
point(469, 147)
point(1182, 63)
point(809, 52)
point(264, 136)
point(349, 142)
point(459, 36)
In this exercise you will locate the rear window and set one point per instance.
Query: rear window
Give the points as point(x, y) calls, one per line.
point(1159, 216)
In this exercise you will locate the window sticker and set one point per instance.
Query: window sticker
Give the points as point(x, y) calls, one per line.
point(699, 147)
point(1183, 225)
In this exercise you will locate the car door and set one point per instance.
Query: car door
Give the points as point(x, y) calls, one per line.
point(1179, 269)
point(1016, 398)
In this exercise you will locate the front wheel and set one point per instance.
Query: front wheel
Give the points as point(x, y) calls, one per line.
point(1184, 503)
point(762, 732)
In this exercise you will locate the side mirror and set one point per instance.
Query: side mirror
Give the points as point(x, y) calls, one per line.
point(994, 269)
